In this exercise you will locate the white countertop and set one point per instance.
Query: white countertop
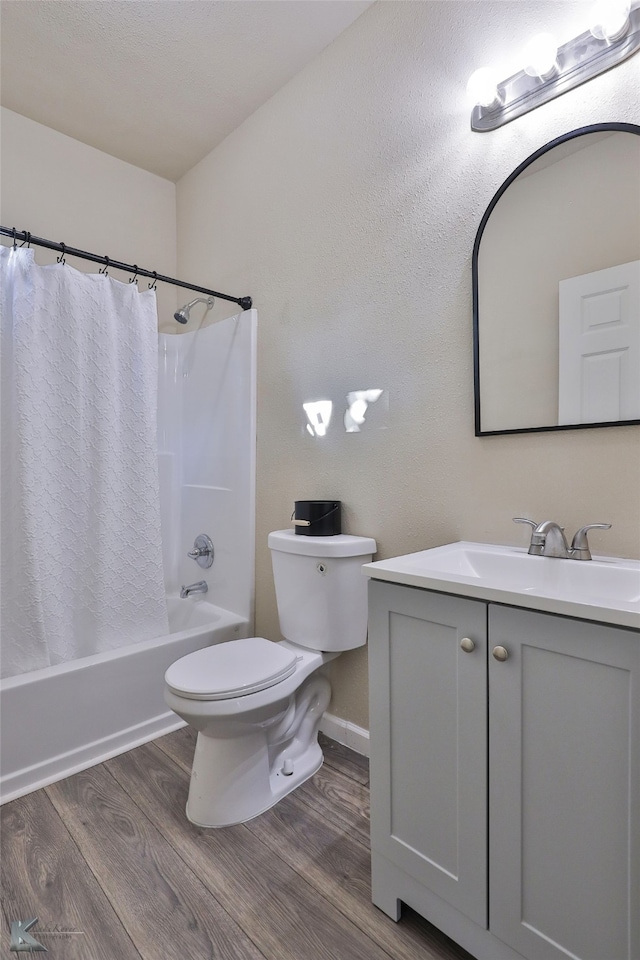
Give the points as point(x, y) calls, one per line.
point(604, 589)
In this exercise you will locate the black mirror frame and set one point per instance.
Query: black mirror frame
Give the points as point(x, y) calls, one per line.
point(581, 131)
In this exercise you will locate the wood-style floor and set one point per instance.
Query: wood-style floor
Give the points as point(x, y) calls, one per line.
point(109, 864)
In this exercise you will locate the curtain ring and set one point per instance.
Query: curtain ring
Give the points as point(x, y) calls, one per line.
point(152, 286)
point(27, 239)
point(15, 242)
point(104, 269)
point(134, 277)
point(62, 259)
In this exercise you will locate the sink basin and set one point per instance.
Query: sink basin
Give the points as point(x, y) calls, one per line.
point(605, 588)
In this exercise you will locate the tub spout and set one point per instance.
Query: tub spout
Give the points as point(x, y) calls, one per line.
point(199, 587)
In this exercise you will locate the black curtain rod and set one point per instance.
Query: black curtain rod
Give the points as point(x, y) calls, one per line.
point(25, 237)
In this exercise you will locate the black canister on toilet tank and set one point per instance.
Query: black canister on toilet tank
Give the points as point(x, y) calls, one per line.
point(318, 518)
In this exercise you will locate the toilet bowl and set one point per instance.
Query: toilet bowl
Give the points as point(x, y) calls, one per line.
point(257, 704)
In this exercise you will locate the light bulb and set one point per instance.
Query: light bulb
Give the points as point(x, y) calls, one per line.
point(482, 88)
point(540, 55)
point(610, 19)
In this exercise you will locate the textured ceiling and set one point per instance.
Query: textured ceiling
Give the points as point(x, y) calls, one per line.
point(158, 83)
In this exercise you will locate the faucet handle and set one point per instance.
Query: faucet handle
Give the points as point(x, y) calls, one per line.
point(537, 544)
point(580, 545)
point(531, 523)
point(202, 551)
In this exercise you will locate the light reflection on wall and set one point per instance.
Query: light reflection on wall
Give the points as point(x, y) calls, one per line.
point(319, 416)
point(358, 403)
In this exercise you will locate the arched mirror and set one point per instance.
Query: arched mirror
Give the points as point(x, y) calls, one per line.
point(556, 288)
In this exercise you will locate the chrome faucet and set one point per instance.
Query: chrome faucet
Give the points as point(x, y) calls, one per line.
point(548, 540)
point(199, 587)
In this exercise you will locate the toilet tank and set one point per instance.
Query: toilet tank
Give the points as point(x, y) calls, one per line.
point(320, 589)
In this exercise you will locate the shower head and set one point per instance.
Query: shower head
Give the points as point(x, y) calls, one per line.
point(182, 315)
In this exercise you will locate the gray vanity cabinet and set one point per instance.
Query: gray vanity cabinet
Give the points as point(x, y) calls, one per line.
point(429, 713)
point(564, 775)
point(505, 794)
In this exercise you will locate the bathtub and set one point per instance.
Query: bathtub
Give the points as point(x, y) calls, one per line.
point(62, 719)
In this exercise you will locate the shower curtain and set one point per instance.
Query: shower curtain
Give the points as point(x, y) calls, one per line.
point(81, 552)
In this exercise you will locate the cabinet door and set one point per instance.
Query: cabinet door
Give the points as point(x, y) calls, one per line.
point(564, 787)
point(428, 740)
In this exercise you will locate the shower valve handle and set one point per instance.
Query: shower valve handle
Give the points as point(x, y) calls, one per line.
point(202, 551)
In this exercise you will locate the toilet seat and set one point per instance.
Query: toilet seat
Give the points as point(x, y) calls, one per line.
point(233, 669)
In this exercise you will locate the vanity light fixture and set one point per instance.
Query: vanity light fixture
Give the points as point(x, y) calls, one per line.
point(550, 70)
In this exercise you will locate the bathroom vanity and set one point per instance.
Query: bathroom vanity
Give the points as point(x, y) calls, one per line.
point(505, 749)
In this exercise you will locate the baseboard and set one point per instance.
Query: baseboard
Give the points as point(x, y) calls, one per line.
point(345, 732)
point(40, 775)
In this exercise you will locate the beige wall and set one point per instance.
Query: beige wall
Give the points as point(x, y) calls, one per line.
point(347, 207)
point(61, 189)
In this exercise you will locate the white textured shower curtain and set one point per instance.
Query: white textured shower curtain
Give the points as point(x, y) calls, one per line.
point(80, 541)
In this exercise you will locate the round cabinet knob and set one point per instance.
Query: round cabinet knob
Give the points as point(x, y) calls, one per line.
point(500, 653)
point(467, 645)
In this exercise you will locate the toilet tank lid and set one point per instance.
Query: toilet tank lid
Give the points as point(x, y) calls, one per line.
point(339, 545)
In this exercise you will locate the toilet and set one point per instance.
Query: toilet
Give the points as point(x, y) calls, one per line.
point(256, 704)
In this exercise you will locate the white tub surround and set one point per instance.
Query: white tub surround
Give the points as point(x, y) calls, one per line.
point(59, 720)
point(206, 443)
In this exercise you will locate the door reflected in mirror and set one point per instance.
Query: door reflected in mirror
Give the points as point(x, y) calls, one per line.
point(556, 277)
